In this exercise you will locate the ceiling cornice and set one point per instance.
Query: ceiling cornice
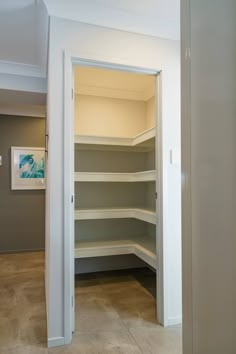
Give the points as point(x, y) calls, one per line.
point(13, 68)
point(23, 83)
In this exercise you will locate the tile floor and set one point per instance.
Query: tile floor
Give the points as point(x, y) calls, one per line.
point(115, 312)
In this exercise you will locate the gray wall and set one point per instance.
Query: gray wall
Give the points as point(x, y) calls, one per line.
point(22, 220)
point(213, 175)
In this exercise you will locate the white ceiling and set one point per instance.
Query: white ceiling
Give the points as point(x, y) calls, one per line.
point(24, 25)
point(23, 36)
point(159, 18)
point(15, 37)
point(13, 5)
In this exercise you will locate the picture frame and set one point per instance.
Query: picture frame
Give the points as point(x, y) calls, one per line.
point(27, 168)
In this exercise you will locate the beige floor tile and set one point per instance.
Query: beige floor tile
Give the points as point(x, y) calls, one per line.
point(33, 330)
point(87, 284)
point(22, 306)
point(141, 316)
point(131, 298)
point(30, 294)
point(118, 284)
point(112, 342)
point(26, 349)
point(102, 321)
point(21, 280)
point(130, 295)
point(9, 332)
point(21, 262)
point(92, 303)
point(7, 296)
point(136, 307)
point(114, 313)
point(23, 327)
point(158, 340)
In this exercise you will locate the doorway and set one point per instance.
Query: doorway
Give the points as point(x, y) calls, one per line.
point(115, 178)
point(86, 212)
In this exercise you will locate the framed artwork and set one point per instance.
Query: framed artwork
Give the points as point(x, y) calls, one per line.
point(27, 168)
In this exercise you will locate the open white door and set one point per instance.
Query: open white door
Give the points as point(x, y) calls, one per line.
point(68, 199)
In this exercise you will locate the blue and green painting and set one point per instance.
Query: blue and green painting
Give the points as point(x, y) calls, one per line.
point(31, 166)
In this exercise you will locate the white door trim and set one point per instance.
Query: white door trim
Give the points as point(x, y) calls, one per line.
point(161, 283)
point(68, 211)
point(71, 59)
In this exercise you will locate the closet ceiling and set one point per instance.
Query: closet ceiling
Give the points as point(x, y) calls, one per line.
point(116, 84)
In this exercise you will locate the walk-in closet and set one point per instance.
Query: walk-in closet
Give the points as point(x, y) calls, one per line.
point(116, 164)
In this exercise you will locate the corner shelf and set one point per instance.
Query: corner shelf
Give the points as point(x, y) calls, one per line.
point(116, 213)
point(143, 141)
point(144, 176)
point(141, 247)
point(144, 137)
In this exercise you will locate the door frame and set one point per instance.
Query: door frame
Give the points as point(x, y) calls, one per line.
point(71, 60)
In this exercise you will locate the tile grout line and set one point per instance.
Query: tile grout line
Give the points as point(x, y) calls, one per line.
point(128, 329)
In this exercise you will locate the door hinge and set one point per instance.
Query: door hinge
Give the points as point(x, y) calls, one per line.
point(72, 199)
point(156, 195)
point(72, 93)
point(72, 301)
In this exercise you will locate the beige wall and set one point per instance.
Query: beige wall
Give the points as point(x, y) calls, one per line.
point(109, 116)
point(112, 117)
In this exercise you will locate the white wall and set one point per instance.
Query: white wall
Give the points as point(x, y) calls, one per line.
point(152, 17)
point(123, 48)
point(209, 83)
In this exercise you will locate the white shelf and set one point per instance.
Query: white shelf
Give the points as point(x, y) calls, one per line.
point(144, 176)
point(143, 140)
point(116, 213)
point(141, 247)
point(143, 137)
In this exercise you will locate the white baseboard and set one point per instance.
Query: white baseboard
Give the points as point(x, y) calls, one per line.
point(56, 342)
point(173, 321)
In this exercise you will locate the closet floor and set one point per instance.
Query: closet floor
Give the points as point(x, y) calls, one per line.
point(115, 312)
